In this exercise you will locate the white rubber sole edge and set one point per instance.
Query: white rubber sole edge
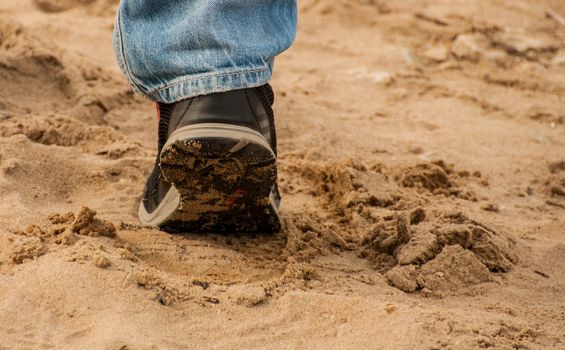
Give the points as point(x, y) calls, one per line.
point(168, 205)
point(171, 201)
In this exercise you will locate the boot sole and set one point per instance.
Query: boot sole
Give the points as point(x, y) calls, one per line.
point(223, 178)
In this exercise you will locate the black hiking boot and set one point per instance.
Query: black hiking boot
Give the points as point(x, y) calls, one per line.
point(216, 165)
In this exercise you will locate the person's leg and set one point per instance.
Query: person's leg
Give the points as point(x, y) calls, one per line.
point(170, 50)
point(207, 64)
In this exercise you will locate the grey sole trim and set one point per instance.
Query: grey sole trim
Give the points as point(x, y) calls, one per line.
point(218, 130)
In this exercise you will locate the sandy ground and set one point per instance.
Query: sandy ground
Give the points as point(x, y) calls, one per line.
point(422, 163)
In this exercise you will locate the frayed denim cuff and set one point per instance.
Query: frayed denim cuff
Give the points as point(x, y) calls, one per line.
point(190, 86)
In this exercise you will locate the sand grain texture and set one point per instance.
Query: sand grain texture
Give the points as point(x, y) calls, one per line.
point(422, 165)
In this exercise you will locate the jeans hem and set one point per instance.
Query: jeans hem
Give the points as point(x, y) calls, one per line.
point(190, 86)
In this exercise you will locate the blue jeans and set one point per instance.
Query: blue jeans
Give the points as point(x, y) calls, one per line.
point(170, 50)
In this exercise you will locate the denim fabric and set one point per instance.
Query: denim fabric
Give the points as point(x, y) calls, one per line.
point(171, 50)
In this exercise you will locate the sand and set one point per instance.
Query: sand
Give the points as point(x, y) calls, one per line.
point(422, 164)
